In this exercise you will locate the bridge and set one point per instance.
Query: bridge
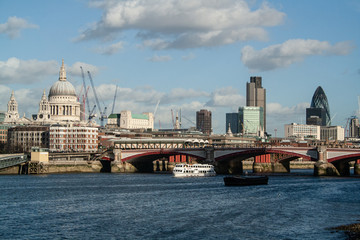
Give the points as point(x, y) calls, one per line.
point(327, 161)
point(9, 160)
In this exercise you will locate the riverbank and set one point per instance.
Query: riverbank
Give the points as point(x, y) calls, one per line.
point(80, 166)
point(351, 230)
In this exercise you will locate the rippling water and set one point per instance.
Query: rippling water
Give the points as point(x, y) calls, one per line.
point(152, 206)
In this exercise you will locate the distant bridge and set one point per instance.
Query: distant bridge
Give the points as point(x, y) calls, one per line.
point(225, 157)
point(9, 160)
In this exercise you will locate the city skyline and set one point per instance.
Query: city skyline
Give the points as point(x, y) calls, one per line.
point(191, 56)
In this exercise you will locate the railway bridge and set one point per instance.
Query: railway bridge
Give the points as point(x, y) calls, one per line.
point(327, 161)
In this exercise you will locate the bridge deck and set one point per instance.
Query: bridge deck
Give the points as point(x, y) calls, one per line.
point(9, 160)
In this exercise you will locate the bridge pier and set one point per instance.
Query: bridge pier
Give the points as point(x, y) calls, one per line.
point(123, 167)
point(234, 166)
point(322, 167)
point(209, 153)
point(357, 167)
point(274, 167)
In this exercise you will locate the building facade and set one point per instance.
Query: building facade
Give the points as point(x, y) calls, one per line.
point(354, 127)
point(251, 121)
point(316, 116)
point(232, 120)
point(73, 139)
point(203, 121)
point(3, 133)
point(23, 138)
point(60, 107)
point(332, 133)
point(256, 96)
point(128, 120)
point(302, 131)
point(319, 107)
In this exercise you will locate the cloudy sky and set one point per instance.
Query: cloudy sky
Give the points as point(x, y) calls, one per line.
point(187, 54)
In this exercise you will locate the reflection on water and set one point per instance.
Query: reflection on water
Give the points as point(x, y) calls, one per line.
point(151, 206)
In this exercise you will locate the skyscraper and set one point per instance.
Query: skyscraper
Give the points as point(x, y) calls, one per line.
point(233, 120)
point(251, 121)
point(319, 108)
point(256, 96)
point(203, 121)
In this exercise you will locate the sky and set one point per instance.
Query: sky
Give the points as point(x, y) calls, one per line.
point(172, 55)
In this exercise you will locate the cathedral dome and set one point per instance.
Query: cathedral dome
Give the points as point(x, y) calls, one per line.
point(62, 87)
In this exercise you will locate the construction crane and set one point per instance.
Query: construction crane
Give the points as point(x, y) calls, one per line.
point(113, 106)
point(90, 112)
point(190, 121)
point(172, 117)
point(156, 108)
point(102, 113)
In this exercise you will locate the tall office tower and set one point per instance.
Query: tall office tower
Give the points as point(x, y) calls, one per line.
point(203, 121)
point(233, 120)
point(251, 121)
point(315, 116)
point(256, 95)
point(319, 108)
point(354, 127)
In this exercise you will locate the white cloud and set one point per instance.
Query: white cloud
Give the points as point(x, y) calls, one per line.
point(156, 58)
point(188, 57)
point(163, 24)
point(111, 49)
point(289, 52)
point(226, 97)
point(180, 94)
point(14, 25)
point(75, 70)
point(278, 115)
point(15, 70)
point(277, 109)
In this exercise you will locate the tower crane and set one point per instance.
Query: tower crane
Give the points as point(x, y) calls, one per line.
point(113, 106)
point(102, 113)
point(90, 112)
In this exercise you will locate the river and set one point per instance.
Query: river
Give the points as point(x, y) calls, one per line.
point(159, 206)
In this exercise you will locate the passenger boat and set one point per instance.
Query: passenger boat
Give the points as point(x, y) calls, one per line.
point(245, 180)
point(194, 170)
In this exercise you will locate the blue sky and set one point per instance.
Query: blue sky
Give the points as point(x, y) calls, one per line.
point(187, 54)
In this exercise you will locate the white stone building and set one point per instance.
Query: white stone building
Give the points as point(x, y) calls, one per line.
point(60, 107)
point(332, 133)
point(128, 120)
point(302, 131)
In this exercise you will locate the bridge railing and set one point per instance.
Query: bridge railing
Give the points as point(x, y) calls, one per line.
point(12, 160)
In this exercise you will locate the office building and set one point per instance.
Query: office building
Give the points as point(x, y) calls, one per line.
point(319, 101)
point(332, 133)
point(23, 138)
point(203, 121)
point(302, 131)
point(251, 121)
point(232, 120)
point(354, 127)
point(316, 116)
point(128, 120)
point(256, 96)
point(73, 139)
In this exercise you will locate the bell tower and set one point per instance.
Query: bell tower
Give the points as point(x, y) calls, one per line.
point(12, 111)
point(44, 109)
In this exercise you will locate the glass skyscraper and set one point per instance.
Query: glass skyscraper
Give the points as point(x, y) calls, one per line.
point(251, 120)
point(319, 107)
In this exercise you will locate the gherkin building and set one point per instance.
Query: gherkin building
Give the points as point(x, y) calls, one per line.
point(319, 100)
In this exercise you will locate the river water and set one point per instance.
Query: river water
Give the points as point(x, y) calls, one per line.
point(159, 206)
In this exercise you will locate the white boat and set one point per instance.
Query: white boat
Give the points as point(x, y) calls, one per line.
point(194, 170)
